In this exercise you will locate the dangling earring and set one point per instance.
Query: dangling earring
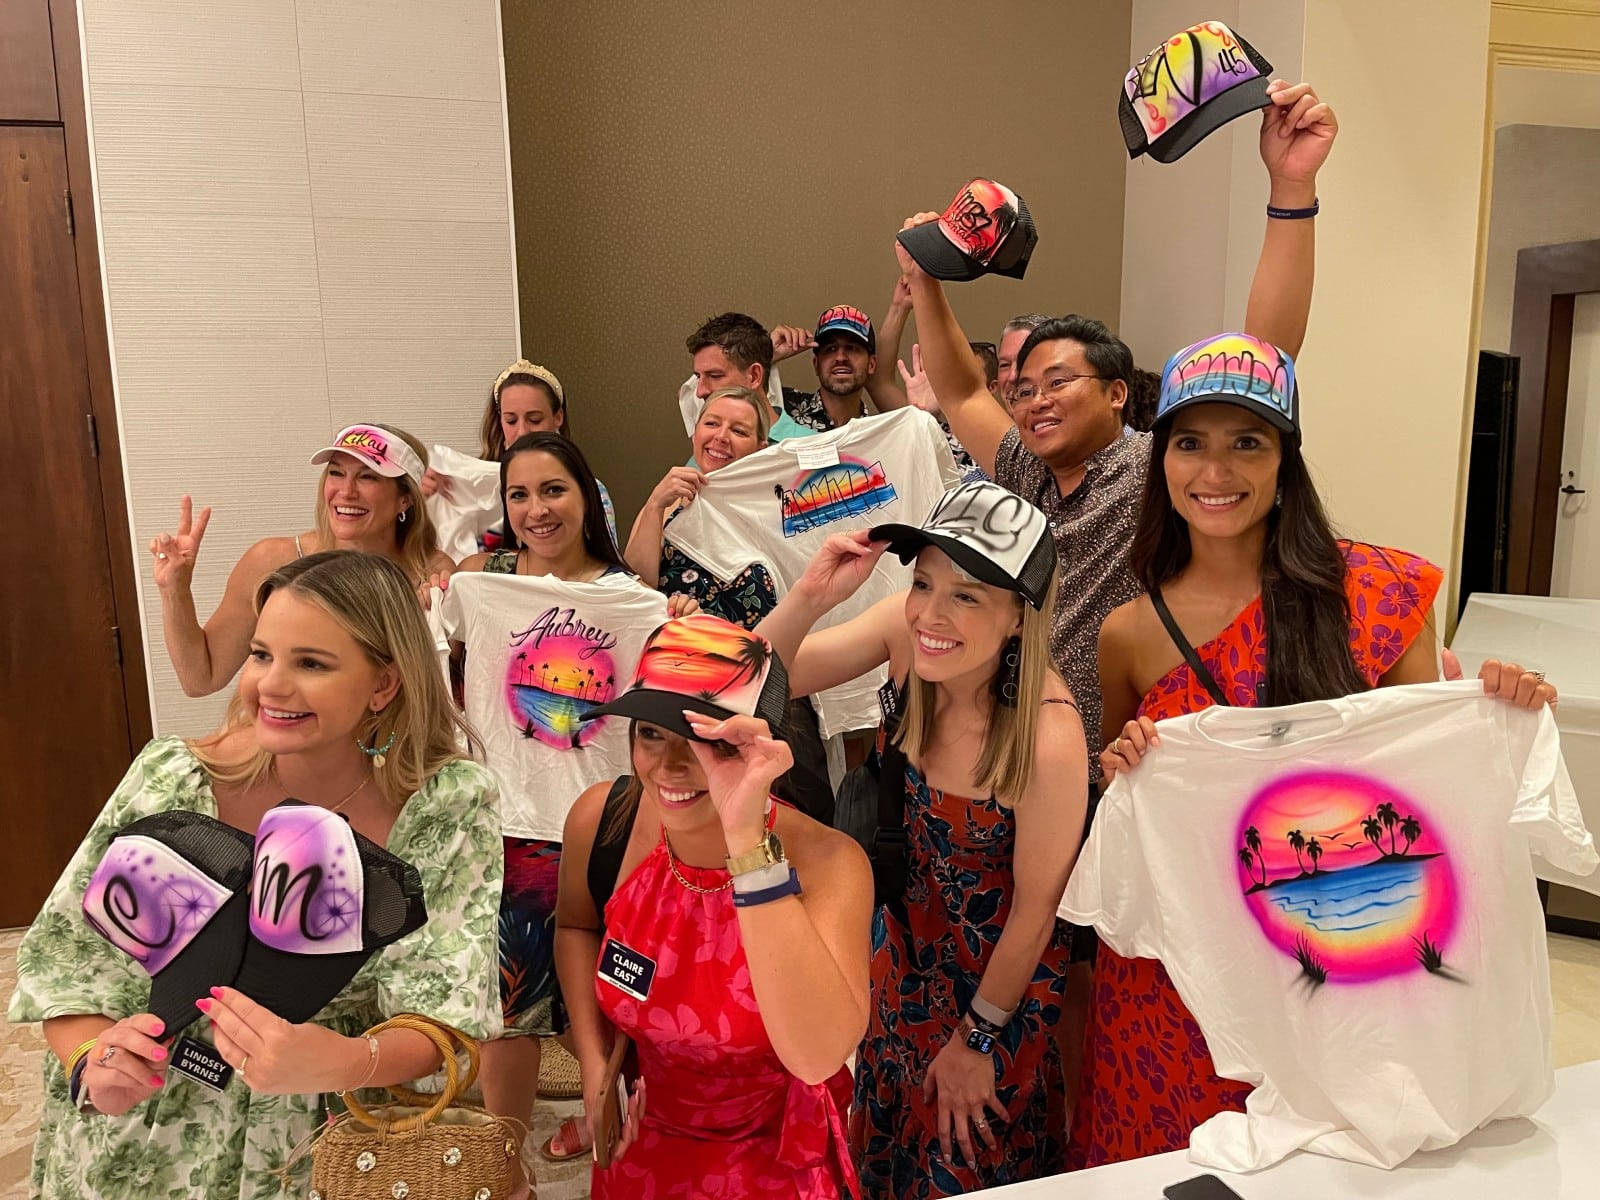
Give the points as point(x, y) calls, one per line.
point(1277, 501)
point(1006, 678)
point(376, 753)
point(404, 513)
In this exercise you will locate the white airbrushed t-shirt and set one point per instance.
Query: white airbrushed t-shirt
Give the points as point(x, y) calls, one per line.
point(1343, 894)
point(473, 505)
point(539, 653)
point(777, 506)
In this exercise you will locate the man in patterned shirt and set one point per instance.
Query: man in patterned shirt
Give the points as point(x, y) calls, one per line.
point(845, 355)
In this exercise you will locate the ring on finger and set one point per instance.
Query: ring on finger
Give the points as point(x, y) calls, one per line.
point(1539, 675)
point(106, 1057)
point(979, 1123)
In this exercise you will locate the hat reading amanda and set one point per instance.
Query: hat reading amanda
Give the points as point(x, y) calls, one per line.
point(324, 899)
point(1191, 85)
point(703, 663)
point(847, 318)
point(985, 231)
point(171, 892)
point(1233, 368)
point(384, 452)
point(994, 535)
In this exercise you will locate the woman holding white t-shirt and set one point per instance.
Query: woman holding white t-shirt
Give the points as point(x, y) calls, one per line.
point(1244, 576)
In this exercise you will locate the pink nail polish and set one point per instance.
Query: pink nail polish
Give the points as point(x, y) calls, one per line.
point(159, 1054)
point(155, 1081)
point(216, 993)
point(203, 1005)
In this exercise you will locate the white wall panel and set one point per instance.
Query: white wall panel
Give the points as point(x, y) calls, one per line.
point(219, 43)
point(449, 51)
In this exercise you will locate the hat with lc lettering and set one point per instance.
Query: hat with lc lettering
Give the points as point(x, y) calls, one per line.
point(986, 231)
point(1188, 87)
point(992, 534)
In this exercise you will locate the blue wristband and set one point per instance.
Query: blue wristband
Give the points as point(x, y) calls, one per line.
point(789, 887)
point(1294, 214)
point(75, 1081)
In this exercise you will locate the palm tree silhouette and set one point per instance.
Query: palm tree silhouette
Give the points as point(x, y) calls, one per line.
point(522, 657)
point(1248, 859)
point(1252, 838)
point(1297, 843)
point(1313, 852)
point(1390, 819)
point(1411, 830)
point(1373, 832)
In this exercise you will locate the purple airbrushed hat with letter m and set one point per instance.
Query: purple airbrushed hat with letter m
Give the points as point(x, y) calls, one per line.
point(1188, 87)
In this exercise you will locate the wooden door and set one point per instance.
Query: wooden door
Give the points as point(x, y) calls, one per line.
point(66, 731)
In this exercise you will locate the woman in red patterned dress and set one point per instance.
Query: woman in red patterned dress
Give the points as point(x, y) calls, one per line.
point(743, 994)
point(1234, 545)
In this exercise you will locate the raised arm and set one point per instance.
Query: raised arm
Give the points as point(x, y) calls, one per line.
point(957, 379)
point(1297, 132)
point(884, 385)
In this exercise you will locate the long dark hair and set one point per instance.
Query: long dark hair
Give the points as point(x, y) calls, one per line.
point(1304, 605)
point(597, 539)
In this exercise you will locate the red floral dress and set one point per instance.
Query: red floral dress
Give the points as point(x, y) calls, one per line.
point(1148, 1081)
point(723, 1118)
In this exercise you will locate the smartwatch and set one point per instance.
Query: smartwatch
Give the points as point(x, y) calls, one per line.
point(980, 1041)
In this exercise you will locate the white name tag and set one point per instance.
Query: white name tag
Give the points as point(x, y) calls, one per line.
point(813, 457)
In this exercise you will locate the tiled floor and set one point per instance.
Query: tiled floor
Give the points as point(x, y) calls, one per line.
point(1574, 976)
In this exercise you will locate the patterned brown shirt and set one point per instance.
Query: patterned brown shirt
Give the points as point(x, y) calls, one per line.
point(1093, 529)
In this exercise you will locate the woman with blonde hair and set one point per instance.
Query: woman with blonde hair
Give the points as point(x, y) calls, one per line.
point(958, 1082)
point(370, 499)
point(341, 705)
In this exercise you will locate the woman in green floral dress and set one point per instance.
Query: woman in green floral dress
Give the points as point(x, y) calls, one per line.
point(341, 659)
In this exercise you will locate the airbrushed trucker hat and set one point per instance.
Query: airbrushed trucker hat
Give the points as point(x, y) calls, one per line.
point(986, 231)
point(992, 534)
point(703, 663)
point(323, 900)
point(847, 318)
point(1233, 368)
point(1188, 87)
point(172, 892)
point(385, 452)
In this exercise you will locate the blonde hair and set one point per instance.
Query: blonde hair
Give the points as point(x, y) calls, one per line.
point(415, 538)
point(1005, 767)
point(758, 405)
point(370, 598)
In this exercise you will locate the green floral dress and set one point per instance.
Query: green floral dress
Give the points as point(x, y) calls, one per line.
point(187, 1141)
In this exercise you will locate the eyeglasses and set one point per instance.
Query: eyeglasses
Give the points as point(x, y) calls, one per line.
point(982, 346)
point(1026, 393)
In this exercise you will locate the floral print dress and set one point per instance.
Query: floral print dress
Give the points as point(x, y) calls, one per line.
point(925, 970)
point(187, 1141)
point(1148, 1082)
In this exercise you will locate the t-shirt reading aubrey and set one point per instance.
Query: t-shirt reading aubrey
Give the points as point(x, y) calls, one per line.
point(1343, 894)
point(779, 505)
point(540, 653)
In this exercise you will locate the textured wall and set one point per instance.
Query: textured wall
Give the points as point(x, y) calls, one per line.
point(304, 221)
point(675, 161)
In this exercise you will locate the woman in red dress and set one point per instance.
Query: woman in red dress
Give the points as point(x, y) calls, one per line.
point(1233, 544)
point(743, 993)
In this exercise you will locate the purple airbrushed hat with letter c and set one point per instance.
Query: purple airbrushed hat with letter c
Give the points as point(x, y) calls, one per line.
point(1187, 88)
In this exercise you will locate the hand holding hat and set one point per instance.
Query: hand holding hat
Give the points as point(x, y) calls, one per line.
point(839, 568)
point(278, 1058)
point(126, 1065)
point(1297, 132)
point(741, 760)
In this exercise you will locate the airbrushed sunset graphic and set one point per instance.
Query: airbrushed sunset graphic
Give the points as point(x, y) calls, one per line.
point(707, 657)
point(1349, 877)
point(852, 487)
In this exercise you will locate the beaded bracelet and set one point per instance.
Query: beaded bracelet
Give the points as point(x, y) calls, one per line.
point(372, 1062)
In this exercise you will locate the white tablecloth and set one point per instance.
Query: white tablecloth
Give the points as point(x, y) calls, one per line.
point(1553, 1156)
point(1560, 637)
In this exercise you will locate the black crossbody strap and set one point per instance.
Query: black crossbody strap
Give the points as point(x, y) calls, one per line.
point(1201, 672)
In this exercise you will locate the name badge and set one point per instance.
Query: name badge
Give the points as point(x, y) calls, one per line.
point(889, 700)
point(626, 969)
point(201, 1063)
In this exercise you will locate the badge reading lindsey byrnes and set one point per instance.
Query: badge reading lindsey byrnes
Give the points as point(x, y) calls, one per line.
point(201, 1063)
point(626, 969)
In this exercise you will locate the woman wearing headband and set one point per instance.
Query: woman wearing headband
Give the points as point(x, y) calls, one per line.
point(524, 398)
point(958, 1082)
point(722, 931)
point(342, 706)
point(1234, 544)
point(369, 499)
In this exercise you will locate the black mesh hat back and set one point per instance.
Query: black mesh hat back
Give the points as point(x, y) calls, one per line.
point(172, 891)
point(314, 922)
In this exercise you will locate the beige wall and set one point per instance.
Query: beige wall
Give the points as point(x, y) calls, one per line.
point(1546, 190)
point(675, 161)
point(304, 222)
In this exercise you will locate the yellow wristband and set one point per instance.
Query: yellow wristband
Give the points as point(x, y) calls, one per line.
point(76, 1056)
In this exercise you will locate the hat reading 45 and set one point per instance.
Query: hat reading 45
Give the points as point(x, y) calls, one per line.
point(1190, 85)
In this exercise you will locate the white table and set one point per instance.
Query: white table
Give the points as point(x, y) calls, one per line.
point(1554, 1155)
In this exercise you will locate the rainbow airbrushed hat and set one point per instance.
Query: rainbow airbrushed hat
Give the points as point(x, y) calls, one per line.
point(385, 452)
point(1233, 368)
point(1187, 88)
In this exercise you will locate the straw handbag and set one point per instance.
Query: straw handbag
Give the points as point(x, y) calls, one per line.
point(423, 1147)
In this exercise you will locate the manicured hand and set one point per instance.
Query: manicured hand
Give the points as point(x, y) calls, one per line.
point(1297, 132)
point(631, 1123)
point(741, 759)
point(1124, 753)
point(962, 1081)
point(175, 553)
point(126, 1065)
point(681, 604)
point(440, 580)
point(275, 1057)
point(1507, 681)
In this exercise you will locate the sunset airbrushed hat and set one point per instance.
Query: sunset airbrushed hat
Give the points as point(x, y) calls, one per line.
point(323, 900)
point(1188, 87)
point(708, 665)
point(991, 533)
point(986, 231)
point(386, 453)
point(1233, 368)
point(172, 892)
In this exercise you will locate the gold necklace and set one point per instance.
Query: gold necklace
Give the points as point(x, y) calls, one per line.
point(272, 769)
point(672, 863)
